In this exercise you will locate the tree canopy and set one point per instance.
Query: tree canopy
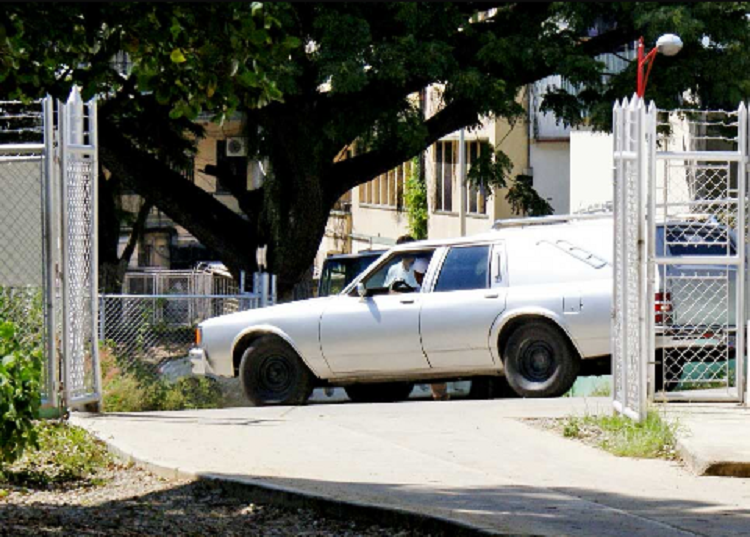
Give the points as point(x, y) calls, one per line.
point(313, 79)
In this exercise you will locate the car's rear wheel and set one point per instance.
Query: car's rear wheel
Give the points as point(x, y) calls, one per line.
point(271, 373)
point(539, 361)
point(384, 392)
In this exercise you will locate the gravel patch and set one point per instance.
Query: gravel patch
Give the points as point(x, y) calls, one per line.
point(589, 435)
point(129, 501)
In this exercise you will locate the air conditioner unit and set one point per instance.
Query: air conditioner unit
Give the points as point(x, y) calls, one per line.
point(236, 147)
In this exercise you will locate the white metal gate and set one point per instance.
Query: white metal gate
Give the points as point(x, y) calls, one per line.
point(77, 157)
point(48, 279)
point(696, 257)
point(628, 339)
point(680, 266)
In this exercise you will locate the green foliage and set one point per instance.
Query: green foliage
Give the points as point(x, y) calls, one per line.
point(415, 202)
point(64, 454)
point(490, 169)
point(138, 388)
point(654, 437)
point(524, 198)
point(20, 373)
point(493, 170)
point(190, 57)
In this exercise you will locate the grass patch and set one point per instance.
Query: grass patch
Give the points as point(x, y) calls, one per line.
point(142, 389)
point(65, 455)
point(652, 438)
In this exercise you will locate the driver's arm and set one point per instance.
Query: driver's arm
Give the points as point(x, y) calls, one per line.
point(390, 276)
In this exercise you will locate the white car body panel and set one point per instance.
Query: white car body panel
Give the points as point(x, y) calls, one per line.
point(391, 325)
point(459, 339)
point(296, 322)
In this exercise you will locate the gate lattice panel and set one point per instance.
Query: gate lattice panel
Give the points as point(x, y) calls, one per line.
point(698, 197)
point(78, 168)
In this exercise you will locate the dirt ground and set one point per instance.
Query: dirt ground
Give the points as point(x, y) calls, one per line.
point(127, 501)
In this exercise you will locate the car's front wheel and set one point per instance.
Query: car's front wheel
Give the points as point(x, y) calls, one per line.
point(271, 373)
point(384, 392)
point(539, 361)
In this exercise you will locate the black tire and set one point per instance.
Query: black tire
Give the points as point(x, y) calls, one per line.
point(271, 373)
point(384, 392)
point(539, 361)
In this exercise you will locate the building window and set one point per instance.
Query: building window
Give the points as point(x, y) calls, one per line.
point(387, 189)
point(476, 195)
point(446, 172)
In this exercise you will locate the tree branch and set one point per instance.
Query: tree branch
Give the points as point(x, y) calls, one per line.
point(350, 173)
point(210, 221)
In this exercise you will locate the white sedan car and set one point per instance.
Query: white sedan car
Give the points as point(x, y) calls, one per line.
point(525, 301)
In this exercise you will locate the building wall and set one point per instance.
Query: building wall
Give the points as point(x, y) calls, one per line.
point(590, 169)
point(550, 161)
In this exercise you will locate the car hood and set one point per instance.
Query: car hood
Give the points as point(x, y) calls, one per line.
point(297, 309)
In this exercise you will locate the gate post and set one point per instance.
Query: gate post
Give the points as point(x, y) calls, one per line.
point(740, 360)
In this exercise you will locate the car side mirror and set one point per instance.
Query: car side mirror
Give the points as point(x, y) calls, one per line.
point(361, 290)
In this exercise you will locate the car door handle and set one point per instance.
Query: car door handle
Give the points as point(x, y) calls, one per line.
point(407, 301)
point(491, 295)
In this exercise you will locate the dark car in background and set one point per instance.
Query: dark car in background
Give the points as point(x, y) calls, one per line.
point(339, 270)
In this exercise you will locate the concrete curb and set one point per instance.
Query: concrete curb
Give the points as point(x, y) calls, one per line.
point(263, 492)
point(705, 466)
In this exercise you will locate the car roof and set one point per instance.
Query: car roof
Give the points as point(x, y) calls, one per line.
point(541, 228)
point(360, 254)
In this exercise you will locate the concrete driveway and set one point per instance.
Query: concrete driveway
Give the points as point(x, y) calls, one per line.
point(474, 462)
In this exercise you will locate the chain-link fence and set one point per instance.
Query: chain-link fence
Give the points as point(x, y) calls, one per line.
point(203, 280)
point(699, 204)
point(22, 254)
point(144, 333)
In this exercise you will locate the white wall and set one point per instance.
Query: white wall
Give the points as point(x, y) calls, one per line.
point(590, 169)
point(551, 162)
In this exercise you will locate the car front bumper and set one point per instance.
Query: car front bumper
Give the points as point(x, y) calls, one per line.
point(199, 362)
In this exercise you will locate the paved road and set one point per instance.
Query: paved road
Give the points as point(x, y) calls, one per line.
point(472, 461)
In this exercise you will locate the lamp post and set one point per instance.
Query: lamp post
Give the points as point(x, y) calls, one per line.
point(668, 44)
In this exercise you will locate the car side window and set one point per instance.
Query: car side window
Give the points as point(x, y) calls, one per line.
point(464, 268)
point(406, 267)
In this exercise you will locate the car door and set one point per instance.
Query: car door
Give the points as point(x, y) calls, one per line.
point(466, 297)
point(377, 333)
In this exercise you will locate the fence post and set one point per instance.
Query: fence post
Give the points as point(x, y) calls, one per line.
point(50, 251)
point(102, 317)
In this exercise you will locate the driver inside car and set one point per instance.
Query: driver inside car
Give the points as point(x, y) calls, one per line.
point(407, 276)
point(402, 272)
